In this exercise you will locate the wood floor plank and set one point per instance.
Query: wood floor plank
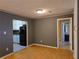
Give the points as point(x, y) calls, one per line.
point(39, 52)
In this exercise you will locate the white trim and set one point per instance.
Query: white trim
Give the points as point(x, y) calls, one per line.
point(58, 37)
point(43, 45)
point(46, 46)
point(27, 34)
point(14, 52)
point(75, 29)
point(26, 31)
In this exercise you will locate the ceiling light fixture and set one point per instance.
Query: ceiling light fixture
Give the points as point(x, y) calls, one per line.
point(40, 11)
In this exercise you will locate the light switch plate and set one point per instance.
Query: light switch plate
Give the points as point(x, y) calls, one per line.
point(5, 33)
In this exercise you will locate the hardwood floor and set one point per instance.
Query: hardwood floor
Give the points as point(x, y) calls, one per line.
point(39, 52)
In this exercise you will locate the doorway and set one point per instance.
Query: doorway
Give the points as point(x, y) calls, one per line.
point(64, 33)
point(20, 35)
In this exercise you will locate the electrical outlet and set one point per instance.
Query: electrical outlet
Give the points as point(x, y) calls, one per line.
point(41, 41)
point(7, 49)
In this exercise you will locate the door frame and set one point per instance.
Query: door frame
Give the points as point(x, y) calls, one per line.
point(59, 34)
point(27, 29)
point(27, 33)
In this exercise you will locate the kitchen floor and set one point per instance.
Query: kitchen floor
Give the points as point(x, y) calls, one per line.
point(17, 47)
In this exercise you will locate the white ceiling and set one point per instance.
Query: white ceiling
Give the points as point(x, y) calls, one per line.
point(28, 7)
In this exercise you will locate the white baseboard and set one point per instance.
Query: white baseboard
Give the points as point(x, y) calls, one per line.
point(7, 55)
point(44, 45)
point(14, 52)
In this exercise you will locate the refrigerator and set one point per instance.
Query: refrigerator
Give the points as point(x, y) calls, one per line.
point(23, 35)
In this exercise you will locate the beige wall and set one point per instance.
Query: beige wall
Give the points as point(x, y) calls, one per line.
point(46, 31)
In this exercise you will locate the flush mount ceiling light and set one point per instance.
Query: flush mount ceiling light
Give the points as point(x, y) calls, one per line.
point(40, 11)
